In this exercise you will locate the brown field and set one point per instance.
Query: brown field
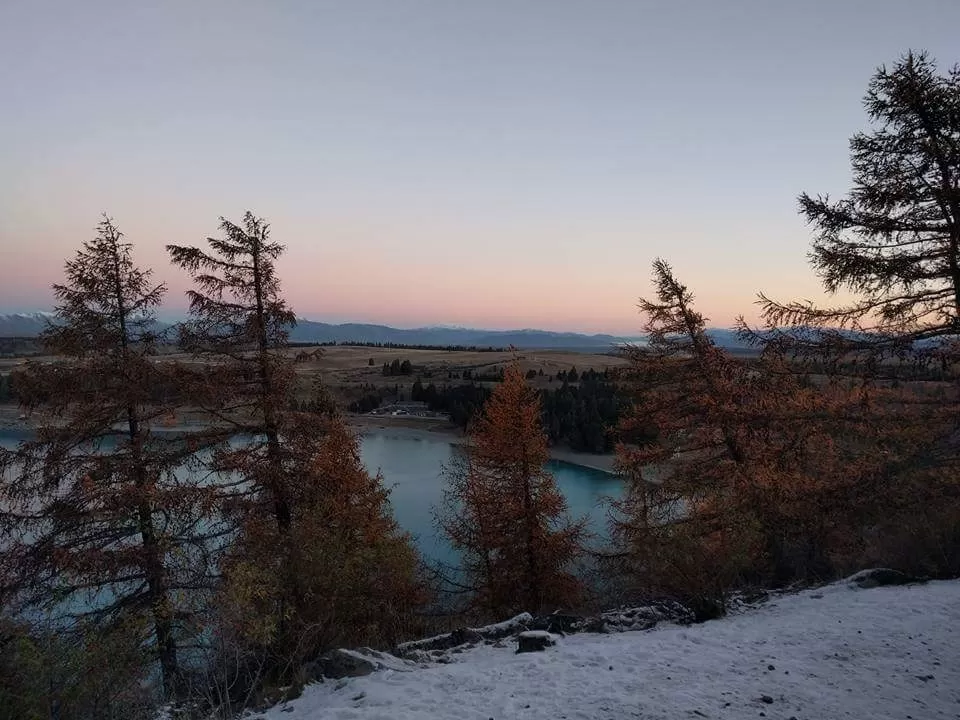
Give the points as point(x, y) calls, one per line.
point(345, 370)
point(342, 364)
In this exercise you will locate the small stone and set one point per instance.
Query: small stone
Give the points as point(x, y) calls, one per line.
point(766, 699)
point(770, 667)
point(611, 667)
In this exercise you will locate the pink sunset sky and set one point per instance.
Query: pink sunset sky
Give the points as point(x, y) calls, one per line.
point(495, 164)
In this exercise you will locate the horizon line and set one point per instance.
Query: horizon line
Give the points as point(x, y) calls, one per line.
point(438, 326)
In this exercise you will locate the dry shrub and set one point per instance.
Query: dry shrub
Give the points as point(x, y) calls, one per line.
point(88, 671)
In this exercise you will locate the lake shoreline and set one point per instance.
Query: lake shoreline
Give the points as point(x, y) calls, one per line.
point(412, 428)
point(439, 431)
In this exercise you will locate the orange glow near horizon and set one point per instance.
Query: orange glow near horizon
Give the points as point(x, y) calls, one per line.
point(389, 285)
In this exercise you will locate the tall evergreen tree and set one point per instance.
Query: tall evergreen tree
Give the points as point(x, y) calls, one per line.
point(239, 327)
point(894, 242)
point(98, 521)
point(301, 496)
point(503, 510)
point(742, 468)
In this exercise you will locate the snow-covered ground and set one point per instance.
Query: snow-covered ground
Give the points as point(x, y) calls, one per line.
point(836, 652)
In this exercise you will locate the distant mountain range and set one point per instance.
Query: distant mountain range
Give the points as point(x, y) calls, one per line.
point(23, 324)
point(308, 331)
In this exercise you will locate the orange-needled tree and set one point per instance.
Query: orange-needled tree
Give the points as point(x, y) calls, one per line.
point(746, 482)
point(504, 513)
point(893, 244)
point(317, 557)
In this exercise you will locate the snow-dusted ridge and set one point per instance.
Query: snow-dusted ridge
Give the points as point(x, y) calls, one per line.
point(835, 652)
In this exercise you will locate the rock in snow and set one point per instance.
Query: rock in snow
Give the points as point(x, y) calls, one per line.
point(420, 649)
point(878, 577)
point(357, 663)
point(887, 652)
point(534, 641)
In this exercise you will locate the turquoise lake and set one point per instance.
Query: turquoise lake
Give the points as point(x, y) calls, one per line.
point(413, 470)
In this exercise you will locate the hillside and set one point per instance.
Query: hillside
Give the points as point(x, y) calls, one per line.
point(836, 652)
point(26, 325)
point(309, 331)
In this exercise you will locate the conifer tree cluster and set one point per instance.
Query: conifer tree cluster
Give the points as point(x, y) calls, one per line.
point(827, 453)
point(256, 532)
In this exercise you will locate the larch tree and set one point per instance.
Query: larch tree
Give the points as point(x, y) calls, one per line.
point(672, 526)
point(99, 524)
point(504, 513)
point(358, 572)
point(894, 244)
point(305, 509)
point(727, 491)
point(894, 241)
point(238, 328)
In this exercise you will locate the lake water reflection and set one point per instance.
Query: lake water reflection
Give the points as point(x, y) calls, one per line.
point(413, 469)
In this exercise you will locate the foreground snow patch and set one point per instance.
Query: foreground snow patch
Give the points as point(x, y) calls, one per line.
point(837, 652)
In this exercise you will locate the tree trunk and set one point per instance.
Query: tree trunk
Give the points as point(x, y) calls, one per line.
point(153, 560)
point(283, 515)
point(534, 597)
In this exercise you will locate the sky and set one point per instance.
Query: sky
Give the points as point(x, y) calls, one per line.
point(499, 164)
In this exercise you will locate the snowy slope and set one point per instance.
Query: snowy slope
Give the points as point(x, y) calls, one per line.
point(837, 652)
